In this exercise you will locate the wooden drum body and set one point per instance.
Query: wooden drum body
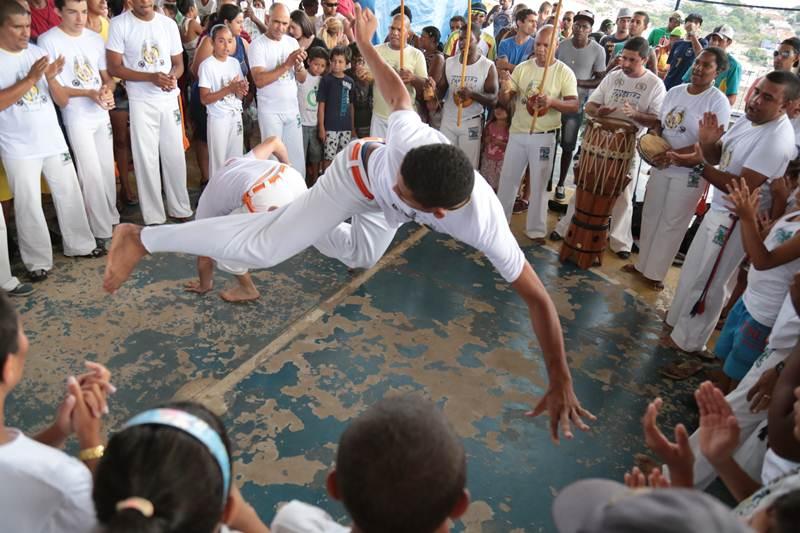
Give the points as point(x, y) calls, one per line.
point(601, 175)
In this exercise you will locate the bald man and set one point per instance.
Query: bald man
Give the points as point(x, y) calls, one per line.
point(276, 61)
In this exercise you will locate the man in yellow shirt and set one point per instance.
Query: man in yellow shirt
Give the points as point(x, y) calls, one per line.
point(537, 148)
point(487, 45)
point(414, 73)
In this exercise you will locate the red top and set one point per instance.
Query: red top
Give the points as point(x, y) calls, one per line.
point(42, 19)
point(495, 141)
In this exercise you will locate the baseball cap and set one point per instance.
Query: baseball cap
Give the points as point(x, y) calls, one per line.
point(680, 31)
point(601, 505)
point(678, 15)
point(625, 13)
point(478, 6)
point(724, 31)
point(585, 15)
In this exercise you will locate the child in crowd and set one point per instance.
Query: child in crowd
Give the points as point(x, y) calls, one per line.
point(362, 92)
point(222, 89)
point(190, 28)
point(456, 23)
point(43, 488)
point(495, 140)
point(399, 467)
point(169, 469)
point(335, 111)
point(307, 99)
point(332, 33)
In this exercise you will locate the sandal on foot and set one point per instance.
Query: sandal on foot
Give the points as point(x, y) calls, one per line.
point(680, 370)
point(36, 276)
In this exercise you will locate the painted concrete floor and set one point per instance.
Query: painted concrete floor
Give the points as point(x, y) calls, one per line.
point(323, 343)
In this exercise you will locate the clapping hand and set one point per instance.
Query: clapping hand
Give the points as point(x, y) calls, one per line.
point(710, 130)
point(54, 68)
point(635, 479)
point(744, 202)
point(719, 429)
point(38, 68)
point(677, 455)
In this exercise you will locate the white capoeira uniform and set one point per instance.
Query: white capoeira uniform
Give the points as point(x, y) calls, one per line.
point(468, 135)
point(88, 125)
point(278, 109)
point(535, 150)
point(8, 282)
point(155, 115)
point(766, 149)
point(348, 190)
point(31, 143)
point(646, 94)
point(752, 445)
point(225, 131)
point(673, 192)
point(248, 185)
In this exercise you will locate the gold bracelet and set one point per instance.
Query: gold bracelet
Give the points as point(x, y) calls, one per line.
point(89, 454)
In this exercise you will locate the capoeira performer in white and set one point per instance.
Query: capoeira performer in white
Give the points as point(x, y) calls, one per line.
point(414, 176)
point(222, 89)
point(479, 91)
point(674, 190)
point(250, 184)
point(758, 147)
point(630, 93)
point(31, 143)
point(276, 61)
point(144, 49)
point(89, 94)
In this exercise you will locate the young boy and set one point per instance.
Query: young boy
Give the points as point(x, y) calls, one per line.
point(43, 488)
point(335, 110)
point(307, 99)
point(415, 479)
point(456, 23)
point(362, 92)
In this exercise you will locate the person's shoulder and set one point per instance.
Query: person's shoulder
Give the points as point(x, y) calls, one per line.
point(53, 33)
point(298, 516)
point(48, 465)
point(35, 50)
point(288, 40)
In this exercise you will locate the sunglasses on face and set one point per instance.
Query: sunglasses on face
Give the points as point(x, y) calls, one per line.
point(786, 54)
point(327, 4)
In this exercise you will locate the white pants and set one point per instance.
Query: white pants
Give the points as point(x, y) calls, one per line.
point(691, 333)
point(467, 137)
point(7, 281)
point(24, 177)
point(93, 147)
point(225, 140)
point(263, 240)
point(669, 204)
point(750, 453)
point(536, 151)
point(285, 126)
point(378, 126)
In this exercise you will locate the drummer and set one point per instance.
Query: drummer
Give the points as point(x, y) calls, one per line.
point(536, 148)
point(675, 187)
point(634, 94)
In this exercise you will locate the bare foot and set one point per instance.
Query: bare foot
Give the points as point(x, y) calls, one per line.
point(126, 251)
point(196, 286)
point(239, 293)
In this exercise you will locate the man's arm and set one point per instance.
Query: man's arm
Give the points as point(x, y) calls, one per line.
point(559, 400)
point(11, 95)
point(386, 79)
point(177, 66)
point(117, 69)
point(263, 77)
point(721, 180)
point(780, 422)
point(271, 146)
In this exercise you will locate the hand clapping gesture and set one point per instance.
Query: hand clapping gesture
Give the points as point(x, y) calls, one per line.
point(710, 129)
point(719, 429)
point(744, 202)
point(677, 455)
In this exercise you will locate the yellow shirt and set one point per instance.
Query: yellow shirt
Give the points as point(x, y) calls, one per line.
point(414, 61)
point(525, 82)
point(104, 28)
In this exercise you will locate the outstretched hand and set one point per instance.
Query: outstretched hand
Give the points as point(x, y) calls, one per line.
point(719, 430)
point(564, 408)
point(677, 455)
point(365, 25)
point(710, 129)
point(745, 203)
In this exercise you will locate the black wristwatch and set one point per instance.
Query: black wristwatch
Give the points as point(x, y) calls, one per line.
point(779, 367)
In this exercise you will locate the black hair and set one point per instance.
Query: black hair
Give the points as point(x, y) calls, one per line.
point(606, 24)
point(343, 51)
point(59, 4)
point(433, 32)
point(794, 42)
point(167, 466)
point(406, 12)
point(458, 18)
point(643, 14)
point(300, 18)
point(638, 45)
point(9, 8)
point(438, 175)
point(720, 57)
point(522, 14)
point(226, 13)
point(789, 81)
point(318, 52)
point(185, 5)
point(115, 7)
point(216, 29)
point(400, 467)
point(309, 2)
point(785, 512)
point(694, 17)
point(9, 330)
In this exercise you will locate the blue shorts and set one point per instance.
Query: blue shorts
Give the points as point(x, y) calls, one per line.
point(741, 342)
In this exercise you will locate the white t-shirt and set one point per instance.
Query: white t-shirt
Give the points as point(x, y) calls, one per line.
point(775, 467)
point(28, 128)
point(299, 517)
point(225, 189)
point(214, 75)
point(474, 80)
point(481, 223)
point(645, 93)
point(766, 149)
point(766, 289)
point(681, 113)
point(307, 100)
point(146, 46)
point(207, 9)
point(786, 330)
point(84, 58)
point(280, 96)
point(43, 490)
